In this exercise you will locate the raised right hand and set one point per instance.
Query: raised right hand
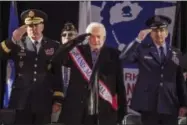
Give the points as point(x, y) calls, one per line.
point(19, 32)
point(143, 33)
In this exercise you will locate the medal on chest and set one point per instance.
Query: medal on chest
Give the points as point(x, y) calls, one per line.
point(174, 58)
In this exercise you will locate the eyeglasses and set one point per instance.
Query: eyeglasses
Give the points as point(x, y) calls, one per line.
point(68, 34)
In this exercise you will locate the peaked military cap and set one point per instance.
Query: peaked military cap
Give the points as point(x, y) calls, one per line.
point(158, 21)
point(69, 27)
point(33, 16)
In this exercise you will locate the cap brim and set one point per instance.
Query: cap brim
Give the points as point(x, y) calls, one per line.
point(37, 14)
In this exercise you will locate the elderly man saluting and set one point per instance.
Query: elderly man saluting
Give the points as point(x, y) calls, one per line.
point(96, 91)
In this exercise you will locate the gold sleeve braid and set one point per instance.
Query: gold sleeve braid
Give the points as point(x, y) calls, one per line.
point(58, 93)
point(4, 47)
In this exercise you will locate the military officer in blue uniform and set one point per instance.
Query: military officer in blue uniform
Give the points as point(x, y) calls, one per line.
point(160, 93)
point(35, 92)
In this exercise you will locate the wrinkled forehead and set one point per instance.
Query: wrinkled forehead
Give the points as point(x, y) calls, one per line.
point(73, 32)
point(68, 33)
point(98, 31)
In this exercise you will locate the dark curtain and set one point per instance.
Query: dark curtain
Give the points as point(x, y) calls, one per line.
point(176, 38)
point(183, 26)
point(0, 60)
point(3, 34)
point(59, 12)
point(180, 28)
point(0, 22)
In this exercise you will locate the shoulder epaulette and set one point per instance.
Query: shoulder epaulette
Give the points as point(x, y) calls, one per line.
point(146, 45)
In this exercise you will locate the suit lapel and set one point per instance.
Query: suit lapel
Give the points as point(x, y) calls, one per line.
point(87, 55)
point(43, 42)
point(103, 56)
point(86, 52)
point(168, 55)
point(154, 53)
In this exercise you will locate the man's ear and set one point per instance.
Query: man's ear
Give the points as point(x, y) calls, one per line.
point(104, 38)
point(167, 32)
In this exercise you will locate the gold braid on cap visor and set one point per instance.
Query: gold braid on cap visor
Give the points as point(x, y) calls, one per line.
point(34, 20)
point(162, 26)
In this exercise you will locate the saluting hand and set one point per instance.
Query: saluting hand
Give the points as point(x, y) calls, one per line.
point(182, 111)
point(19, 32)
point(56, 107)
point(143, 33)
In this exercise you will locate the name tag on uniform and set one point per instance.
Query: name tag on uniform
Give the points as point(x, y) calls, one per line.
point(49, 52)
point(148, 57)
point(22, 53)
point(175, 59)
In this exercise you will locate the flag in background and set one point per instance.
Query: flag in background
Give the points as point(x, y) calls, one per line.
point(10, 72)
point(84, 16)
point(177, 27)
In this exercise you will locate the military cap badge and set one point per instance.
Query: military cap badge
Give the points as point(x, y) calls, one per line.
point(31, 14)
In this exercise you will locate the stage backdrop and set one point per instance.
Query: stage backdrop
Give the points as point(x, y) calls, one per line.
point(123, 21)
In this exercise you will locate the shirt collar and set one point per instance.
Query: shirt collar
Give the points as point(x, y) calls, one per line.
point(158, 46)
point(39, 41)
point(98, 50)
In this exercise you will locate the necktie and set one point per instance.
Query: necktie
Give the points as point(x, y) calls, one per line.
point(94, 56)
point(35, 46)
point(162, 55)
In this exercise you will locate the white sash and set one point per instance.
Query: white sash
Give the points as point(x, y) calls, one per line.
point(86, 72)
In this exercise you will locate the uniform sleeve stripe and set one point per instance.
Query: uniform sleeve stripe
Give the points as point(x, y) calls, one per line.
point(57, 93)
point(58, 103)
point(5, 48)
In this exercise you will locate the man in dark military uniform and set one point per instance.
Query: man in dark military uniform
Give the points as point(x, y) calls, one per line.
point(68, 33)
point(96, 91)
point(35, 92)
point(160, 94)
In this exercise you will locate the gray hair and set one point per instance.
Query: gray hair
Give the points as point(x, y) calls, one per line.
point(96, 25)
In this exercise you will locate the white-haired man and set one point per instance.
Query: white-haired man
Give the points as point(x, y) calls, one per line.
point(96, 97)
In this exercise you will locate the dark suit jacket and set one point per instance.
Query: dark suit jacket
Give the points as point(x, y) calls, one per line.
point(183, 61)
point(159, 88)
point(111, 72)
point(33, 87)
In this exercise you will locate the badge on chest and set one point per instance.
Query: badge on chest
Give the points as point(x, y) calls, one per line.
point(174, 58)
point(21, 54)
point(49, 52)
point(148, 57)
